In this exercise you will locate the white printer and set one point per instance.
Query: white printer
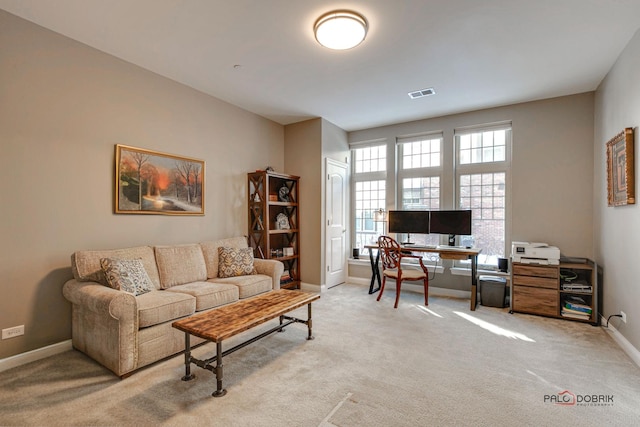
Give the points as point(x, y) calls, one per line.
point(535, 253)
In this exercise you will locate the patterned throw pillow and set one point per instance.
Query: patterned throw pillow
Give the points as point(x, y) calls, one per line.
point(127, 275)
point(234, 262)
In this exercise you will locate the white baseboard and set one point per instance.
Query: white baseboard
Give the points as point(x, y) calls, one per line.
point(33, 355)
point(624, 344)
point(312, 288)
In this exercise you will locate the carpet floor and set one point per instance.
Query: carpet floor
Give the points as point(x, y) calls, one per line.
point(369, 365)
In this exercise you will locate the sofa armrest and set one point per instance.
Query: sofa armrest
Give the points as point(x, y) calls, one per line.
point(270, 267)
point(104, 324)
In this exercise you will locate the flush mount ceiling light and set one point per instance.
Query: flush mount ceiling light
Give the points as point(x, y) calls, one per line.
point(340, 29)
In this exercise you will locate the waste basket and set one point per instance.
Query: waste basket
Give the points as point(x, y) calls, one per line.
point(493, 291)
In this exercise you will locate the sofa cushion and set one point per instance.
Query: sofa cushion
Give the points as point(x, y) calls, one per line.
point(248, 286)
point(207, 294)
point(86, 267)
point(126, 275)
point(180, 264)
point(158, 306)
point(234, 262)
point(210, 251)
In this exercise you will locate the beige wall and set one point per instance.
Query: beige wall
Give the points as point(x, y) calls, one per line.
point(303, 148)
point(617, 230)
point(307, 144)
point(63, 107)
point(551, 170)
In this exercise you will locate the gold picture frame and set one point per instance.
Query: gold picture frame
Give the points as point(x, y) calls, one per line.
point(620, 173)
point(151, 182)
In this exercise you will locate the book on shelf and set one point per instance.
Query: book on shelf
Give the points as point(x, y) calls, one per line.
point(575, 315)
point(577, 307)
point(285, 278)
point(576, 304)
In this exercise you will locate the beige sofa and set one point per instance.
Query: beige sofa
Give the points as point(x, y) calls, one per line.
point(124, 332)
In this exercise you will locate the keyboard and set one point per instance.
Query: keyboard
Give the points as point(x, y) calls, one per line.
point(420, 246)
point(452, 248)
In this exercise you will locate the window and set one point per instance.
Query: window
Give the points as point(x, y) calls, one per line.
point(483, 147)
point(484, 194)
point(421, 193)
point(423, 153)
point(419, 177)
point(370, 159)
point(369, 193)
point(482, 176)
point(471, 170)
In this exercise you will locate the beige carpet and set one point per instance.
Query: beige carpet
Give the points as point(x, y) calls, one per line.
point(370, 365)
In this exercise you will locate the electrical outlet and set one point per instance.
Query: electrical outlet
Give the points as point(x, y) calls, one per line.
point(624, 316)
point(16, 331)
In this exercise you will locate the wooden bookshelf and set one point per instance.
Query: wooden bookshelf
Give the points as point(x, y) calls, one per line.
point(274, 221)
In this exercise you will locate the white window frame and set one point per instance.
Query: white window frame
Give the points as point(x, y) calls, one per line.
point(364, 177)
point(421, 172)
point(487, 260)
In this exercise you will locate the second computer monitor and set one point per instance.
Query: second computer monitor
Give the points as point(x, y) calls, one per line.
point(450, 222)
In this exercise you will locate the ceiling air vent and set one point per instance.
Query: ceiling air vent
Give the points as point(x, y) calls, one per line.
point(420, 93)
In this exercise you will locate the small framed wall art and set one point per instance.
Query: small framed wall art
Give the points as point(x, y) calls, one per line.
point(150, 182)
point(620, 173)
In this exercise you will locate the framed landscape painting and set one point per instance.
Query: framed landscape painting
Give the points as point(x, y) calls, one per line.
point(150, 182)
point(620, 174)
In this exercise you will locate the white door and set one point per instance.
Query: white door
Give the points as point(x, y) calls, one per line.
point(336, 214)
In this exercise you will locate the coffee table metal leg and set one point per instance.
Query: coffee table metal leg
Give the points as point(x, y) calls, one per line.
point(187, 358)
point(219, 390)
point(310, 337)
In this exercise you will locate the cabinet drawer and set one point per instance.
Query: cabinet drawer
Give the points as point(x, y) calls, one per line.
point(536, 282)
point(535, 270)
point(535, 300)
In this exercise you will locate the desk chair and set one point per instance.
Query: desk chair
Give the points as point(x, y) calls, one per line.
point(392, 255)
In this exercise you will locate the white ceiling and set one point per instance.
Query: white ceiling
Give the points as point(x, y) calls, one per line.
point(475, 53)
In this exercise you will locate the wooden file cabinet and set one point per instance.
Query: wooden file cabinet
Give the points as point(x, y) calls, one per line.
point(535, 289)
point(544, 290)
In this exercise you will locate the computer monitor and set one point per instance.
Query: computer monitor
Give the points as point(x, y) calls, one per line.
point(416, 222)
point(453, 223)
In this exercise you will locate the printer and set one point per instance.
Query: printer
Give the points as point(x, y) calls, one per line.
point(535, 253)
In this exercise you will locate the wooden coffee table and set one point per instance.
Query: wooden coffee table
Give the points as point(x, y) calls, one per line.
point(225, 322)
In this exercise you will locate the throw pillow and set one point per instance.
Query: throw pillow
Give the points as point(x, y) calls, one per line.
point(234, 262)
point(127, 275)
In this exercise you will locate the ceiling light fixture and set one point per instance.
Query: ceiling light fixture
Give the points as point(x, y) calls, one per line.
point(340, 29)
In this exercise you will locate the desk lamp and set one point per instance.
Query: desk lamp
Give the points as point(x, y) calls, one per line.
point(380, 216)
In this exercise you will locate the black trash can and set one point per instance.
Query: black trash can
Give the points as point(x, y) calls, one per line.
point(493, 291)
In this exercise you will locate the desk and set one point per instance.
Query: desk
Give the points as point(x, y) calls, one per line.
point(443, 252)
